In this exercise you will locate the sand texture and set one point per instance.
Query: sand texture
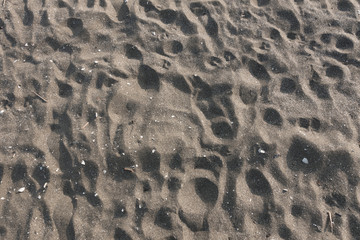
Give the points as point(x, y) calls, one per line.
point(179, 119)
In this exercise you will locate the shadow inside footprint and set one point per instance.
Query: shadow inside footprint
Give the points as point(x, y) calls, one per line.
point(304, 156)
point(148, 78)
point(271, 116)
point(206, 190)
point(258, 183)
point(76, 25)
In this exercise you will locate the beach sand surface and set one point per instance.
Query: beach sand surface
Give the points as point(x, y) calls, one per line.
point(179, 119)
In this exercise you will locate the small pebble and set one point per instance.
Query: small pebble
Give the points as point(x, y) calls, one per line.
point(305, 160)
point(83, 162)
point(21, 190)
point(261, 151)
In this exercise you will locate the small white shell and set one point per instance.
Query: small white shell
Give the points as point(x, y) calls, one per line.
point(305, 160)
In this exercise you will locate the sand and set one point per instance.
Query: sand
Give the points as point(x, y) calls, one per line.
point(179, 119)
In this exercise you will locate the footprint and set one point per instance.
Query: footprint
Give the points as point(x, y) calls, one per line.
point(258, 183)
point(174, 184)
point(212, 27)
point(186, 26)
point(116, 167)
point(9, 102)
point(304, 156)
point(132, 52)
point(176, 162)
point(3, 231)
point(315, 124)
point(76, 25)
point(258, 71)
point(272, 116)
point(284, 232)
point(28, 15)
point(336, 200)
point(291, 18)
point(354, 226)
point(140, 210)
point(215, 62)
point(198, 9)
point(41, 174)
point(172, 48)
point(304, 123)
point(148, 78)
point(229, 56)
point(19, 172)
point(325, 38)
point(123, 13)
point(344, 43)
point(297, 210)
point(150, 160)
point(179, 82)
point(91, 171)
point(288, 85)
point(1, 172)
point(261, 3)
point(206, 190)
point(147, 5)
point(168, 16)
point(65, 90)
point(212, 163)
point(334, 71)
point(222, 130)
point(275, 34)
point(321, 90)
point(120, 211)
point(163, 218)
point(44, 21)
point(120, 234)
point(345, 6)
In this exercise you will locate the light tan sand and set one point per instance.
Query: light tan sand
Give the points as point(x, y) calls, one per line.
point(177, 119)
